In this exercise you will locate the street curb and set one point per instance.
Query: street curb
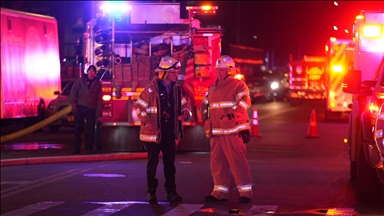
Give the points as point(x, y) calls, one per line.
point(73, 158)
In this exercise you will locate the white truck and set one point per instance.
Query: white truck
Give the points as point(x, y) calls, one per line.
point(366, 121)
point(30, 66)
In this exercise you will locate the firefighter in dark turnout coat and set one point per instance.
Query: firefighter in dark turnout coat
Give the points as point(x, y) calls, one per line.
point(161, 110)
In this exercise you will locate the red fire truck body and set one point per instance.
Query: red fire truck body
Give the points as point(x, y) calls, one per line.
point(127, 47)
point(307, 79)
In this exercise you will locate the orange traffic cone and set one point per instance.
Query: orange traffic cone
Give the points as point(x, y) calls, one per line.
point(255, 124)
point(312, 129)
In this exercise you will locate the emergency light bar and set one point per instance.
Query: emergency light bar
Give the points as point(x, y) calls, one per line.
point(115, 7)
point(371, 31)
point(203, 10)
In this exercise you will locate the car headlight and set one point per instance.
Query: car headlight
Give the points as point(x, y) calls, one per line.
point(274, 85)
point(52, 106)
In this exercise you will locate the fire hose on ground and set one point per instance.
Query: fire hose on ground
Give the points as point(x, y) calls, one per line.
point(36, 126)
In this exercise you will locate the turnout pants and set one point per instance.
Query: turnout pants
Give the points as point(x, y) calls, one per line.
point(228, 154)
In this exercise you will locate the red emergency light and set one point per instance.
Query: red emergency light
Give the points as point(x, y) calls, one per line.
point(203, 10)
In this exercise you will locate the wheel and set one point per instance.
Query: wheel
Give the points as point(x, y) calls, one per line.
point(368, 184)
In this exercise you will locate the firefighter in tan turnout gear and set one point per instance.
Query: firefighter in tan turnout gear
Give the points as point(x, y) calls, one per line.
point(226, 123)
point(161, 110)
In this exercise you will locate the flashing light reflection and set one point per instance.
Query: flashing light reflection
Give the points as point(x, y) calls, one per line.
point(31, 146)
point(104, 175)
point(337, 68)
point(345, 140)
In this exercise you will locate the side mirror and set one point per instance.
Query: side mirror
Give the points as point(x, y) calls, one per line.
point(56, 92)
point(352, 82)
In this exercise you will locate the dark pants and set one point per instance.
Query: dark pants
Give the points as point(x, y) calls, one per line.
point(168, 147)
point(90, 116)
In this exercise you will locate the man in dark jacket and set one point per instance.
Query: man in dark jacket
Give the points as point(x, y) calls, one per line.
point(85, 98)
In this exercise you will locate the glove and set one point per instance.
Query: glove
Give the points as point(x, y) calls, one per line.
point(246, 136)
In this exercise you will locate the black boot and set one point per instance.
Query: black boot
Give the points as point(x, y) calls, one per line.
point(170, 187)
point(151, 196)
point(151, 191)
point(174, 197)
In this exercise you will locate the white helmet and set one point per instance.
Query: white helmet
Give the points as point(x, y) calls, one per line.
point(166, 65)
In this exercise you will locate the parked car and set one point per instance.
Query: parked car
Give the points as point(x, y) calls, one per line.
point(58, 104)
point(268, 87)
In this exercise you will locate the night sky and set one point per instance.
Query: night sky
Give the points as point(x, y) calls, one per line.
point(284, 27)
point(287, 27)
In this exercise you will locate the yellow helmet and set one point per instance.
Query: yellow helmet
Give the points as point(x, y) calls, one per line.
point(166, 65)
point(227, 62)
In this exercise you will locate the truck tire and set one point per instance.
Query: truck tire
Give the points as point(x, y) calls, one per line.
point(368, 184)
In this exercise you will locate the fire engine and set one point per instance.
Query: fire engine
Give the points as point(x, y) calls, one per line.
point(366, 125)
point(126, 45)
point(339, 59)
point(306, 79)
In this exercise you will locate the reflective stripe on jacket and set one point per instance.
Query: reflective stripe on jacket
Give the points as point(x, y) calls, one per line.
point(226, 106)
point(148, 111)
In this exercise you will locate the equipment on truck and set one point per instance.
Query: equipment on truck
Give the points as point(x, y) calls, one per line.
point(307, 79)
point(30, 65)
point(366, 83)
point(127, 46)
point(339, 59)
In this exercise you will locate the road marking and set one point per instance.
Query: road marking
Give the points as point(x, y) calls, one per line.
point(108, 209)
point(31, 209)
point(39, 182)
point(15, 182)
point(263, 210)
point(184, 209)
point(103, 175)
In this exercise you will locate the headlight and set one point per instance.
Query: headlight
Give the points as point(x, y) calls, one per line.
point(274, 85)
point(51, 106)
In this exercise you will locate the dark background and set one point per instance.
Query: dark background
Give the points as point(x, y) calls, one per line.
point(278, 27)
